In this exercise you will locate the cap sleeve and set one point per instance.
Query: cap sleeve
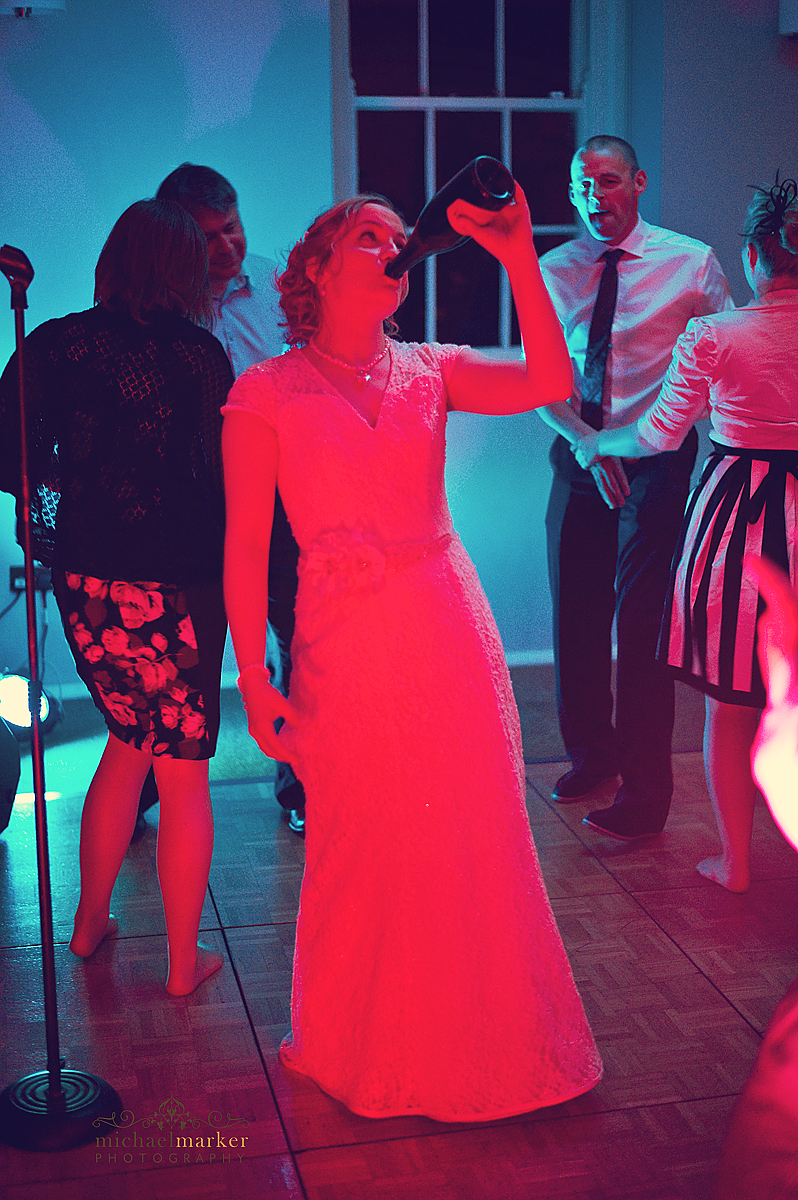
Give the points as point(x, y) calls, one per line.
point(255, 391)
point(441, 356)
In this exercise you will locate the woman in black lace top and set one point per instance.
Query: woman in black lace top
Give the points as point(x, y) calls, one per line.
point(124, 403)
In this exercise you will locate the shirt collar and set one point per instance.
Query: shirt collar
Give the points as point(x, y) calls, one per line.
point(633, 244)
point(237, 284)
point(778, 296)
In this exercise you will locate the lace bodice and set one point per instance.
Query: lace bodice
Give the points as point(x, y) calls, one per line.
point(391, 475)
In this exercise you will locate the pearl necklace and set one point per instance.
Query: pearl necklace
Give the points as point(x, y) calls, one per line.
point(363, 373)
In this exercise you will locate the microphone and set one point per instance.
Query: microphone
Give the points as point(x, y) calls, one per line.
point(15, 266)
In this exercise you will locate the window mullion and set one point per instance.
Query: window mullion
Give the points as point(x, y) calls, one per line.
point(505, 293)
point(430, 278)
point(430, 275)
point(423, 47)
point(498, 64)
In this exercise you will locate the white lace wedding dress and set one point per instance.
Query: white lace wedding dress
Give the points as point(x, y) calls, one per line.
point(429, 974)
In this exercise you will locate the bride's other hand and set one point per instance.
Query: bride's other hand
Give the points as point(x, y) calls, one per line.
point(265, 705)
point(774, 755)
point(777, 632)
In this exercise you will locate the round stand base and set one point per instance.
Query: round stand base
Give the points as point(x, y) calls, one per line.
point(31, 1120)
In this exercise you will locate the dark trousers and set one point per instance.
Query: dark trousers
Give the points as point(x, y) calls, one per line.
point(283, 559)
point(606, 563)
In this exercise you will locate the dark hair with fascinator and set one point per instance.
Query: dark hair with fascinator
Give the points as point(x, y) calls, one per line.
point(771, 224)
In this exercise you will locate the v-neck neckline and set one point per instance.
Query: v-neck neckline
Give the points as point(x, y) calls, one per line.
point(348, 404)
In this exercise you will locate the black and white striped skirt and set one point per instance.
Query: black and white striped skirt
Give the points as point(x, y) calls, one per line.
point(746, 502)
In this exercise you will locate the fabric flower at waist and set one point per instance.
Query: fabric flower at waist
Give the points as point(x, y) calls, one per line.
point(356, 561)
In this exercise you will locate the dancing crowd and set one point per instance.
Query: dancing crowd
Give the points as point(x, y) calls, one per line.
point(217, 440)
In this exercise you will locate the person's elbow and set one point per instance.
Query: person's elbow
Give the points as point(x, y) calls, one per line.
point(555, 385)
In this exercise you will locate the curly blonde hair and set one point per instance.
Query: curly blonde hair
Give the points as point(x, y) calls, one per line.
point(299, 297)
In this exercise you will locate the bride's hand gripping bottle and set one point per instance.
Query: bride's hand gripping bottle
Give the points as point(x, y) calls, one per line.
point(485, 182)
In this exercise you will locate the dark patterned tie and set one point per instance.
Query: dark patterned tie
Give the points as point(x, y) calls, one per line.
point(598, 341)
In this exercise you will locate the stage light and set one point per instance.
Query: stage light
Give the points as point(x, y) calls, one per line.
point(15, 706)
point(9, 773)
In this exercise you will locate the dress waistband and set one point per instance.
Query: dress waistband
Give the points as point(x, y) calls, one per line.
point(786, 458)
point(356, 560)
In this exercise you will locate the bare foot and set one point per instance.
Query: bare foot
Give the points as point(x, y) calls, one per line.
point(719, 871)
point(86, 940)
point(208, 962)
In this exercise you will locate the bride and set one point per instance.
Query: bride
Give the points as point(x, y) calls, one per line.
point(429, 975)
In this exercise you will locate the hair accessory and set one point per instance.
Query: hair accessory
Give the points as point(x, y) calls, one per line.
point(363, 373)
point(780, 198)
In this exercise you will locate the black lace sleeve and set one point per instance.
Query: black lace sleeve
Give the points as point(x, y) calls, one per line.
point(42, 449)
point(216, 380)
point(124, 428)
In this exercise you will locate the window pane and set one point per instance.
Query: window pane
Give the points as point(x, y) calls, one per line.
point(461, 136)
point(543, 243)
point(537, 39)
point(391, 158)
point(410, 317)
point(383, 36)
point(391, 162)
point(461, 48)
point(468, 277)
point(468, 296)
point(543, 146)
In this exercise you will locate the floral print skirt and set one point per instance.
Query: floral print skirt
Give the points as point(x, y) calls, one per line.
point(151, 656)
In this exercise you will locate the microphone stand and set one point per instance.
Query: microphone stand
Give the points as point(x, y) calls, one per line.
point(54, 1109)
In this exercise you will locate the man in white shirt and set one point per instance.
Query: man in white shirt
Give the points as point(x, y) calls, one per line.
point(611, 531)
point(246, 318)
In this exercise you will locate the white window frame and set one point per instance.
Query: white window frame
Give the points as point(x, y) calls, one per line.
point(599, 60)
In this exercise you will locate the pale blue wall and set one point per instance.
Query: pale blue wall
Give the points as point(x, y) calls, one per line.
point(730, 100)
point(498, 480)
point(100, 102)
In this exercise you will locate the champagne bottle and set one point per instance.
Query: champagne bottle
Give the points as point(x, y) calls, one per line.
point(484, 182)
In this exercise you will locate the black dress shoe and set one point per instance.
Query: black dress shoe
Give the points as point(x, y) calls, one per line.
point(296, 821)
point(578, 783)
point(627, 825)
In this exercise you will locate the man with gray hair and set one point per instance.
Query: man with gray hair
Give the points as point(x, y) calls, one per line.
point(246, 318)
point(624, 292)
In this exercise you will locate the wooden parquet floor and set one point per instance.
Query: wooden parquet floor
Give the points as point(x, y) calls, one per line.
point(679, 980)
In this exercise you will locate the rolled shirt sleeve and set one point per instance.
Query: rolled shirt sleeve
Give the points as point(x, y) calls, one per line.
point(684, 396)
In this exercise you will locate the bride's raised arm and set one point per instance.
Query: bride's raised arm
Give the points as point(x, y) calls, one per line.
point(544, 376)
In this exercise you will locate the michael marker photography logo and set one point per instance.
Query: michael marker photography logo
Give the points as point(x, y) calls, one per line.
point(170, 1136)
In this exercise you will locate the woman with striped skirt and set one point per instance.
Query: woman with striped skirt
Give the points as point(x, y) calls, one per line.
point(740, 369)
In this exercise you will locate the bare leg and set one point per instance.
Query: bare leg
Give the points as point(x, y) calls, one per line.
point(185, 847)
point(728, 736)
point(109, 814)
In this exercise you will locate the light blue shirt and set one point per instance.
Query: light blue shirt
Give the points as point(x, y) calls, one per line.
point(246, 318)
